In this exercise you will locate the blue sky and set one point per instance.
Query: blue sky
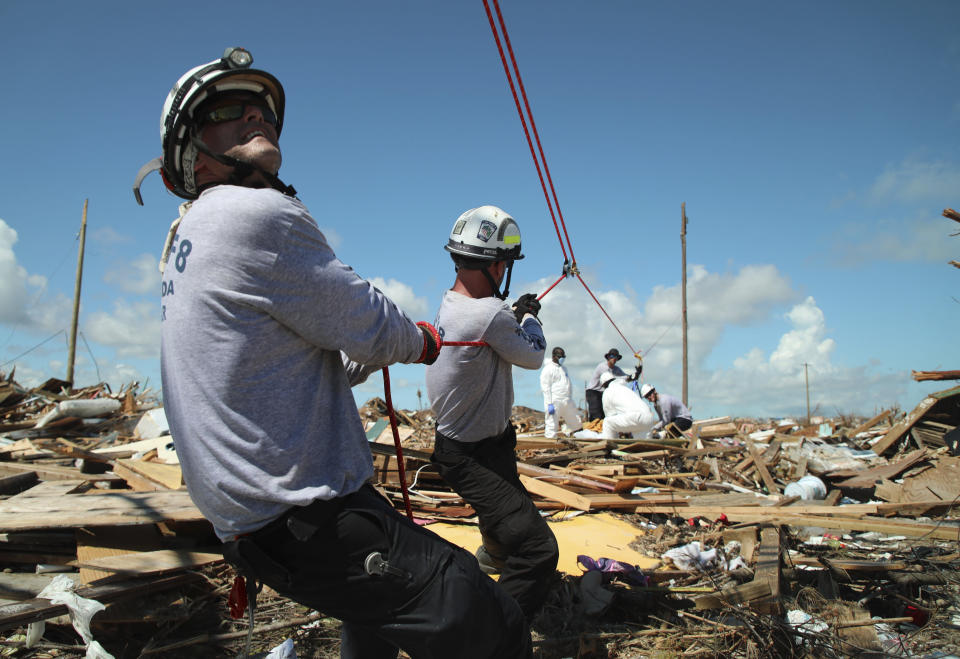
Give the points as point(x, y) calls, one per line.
point(815, 145)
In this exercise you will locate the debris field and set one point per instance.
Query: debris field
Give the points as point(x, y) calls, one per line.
point(833, 537)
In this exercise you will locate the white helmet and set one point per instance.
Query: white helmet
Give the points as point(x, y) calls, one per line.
point(606, 378)
point(485, 233)
point(482, 236)
point(180, 145)
point(646, 389)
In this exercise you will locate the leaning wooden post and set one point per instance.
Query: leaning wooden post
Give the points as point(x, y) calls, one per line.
point(76, 296)
point(683, 292)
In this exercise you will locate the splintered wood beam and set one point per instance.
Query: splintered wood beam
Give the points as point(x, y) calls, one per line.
point(921, 376)
point(768, 570)
point(772, 487)
point(573, 479)
point(555, 493)
point(867, 425)
point(951, 214)
point(901, 428)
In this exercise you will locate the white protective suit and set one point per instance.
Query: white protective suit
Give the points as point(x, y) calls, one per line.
point(558, 391)
point(625, 411)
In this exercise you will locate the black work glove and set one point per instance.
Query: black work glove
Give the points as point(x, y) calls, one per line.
point(526, 304)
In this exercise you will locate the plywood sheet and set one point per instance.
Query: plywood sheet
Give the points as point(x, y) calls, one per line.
point(598, 535)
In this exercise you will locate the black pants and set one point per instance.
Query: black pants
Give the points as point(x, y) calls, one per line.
point(438, 604)
point(682, 423)
point(484, 473)
point(594, 404)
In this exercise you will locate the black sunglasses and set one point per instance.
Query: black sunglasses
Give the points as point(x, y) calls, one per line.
point(235, 111)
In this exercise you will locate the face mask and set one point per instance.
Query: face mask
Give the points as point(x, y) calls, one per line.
point(560, 360)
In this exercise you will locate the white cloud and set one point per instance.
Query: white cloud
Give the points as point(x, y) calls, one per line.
point(403, 296)
point(917, 181)
point(758, 383)
point(715, 302)
point(922, 239)
point(110, 236)
point(132, 330)
point(140, 276)
point(14, 280)
point(805, 343)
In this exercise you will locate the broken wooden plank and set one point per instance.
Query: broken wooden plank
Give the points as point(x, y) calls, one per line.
point(772, 487)
point(921, 376)
point(718, 430)
point(54, 489)
point(166, 476)
point(52, 473)
point(901, 428)
point(106, 509)
point(112, 541)
point(150, 562)
point(867, 425)
point(555, 493)
point(870, 477)
point(768, 570)
point(540, 472)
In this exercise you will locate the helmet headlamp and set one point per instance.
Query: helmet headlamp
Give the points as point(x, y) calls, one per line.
point(237, 58)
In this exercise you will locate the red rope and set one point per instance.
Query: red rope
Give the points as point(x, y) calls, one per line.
point(544, 294)
point(523, 121)
point(533, 125)
point(401, 469)
point(632, 349)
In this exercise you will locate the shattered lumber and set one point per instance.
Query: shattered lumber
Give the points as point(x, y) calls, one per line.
point(715, 490)
point(921, 376)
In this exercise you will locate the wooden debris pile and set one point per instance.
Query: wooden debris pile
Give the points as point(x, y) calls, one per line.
point(771, 538)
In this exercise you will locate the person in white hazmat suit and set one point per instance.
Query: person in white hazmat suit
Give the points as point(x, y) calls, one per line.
point(557, 396)
point(624, 411)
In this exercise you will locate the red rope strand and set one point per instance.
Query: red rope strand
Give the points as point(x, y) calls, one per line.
point(533, 125)
point(523, 121)
point(632, 349)
point(401, 469)
point(544, 294)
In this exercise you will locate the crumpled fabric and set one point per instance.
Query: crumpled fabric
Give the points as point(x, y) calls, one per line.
point(612, 568)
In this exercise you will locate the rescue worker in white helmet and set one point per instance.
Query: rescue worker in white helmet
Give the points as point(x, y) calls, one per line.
point(558, 396)
point(264, 330)
point(471, 392)
point(670, 409)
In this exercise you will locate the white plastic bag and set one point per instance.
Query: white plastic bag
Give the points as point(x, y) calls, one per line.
point(82, 610)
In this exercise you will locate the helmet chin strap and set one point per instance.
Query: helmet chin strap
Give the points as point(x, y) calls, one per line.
point(242, 170)
point(496, 287)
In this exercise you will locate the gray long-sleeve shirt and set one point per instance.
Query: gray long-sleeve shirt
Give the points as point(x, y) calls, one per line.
point(264, 330)
point(670, 408)
point(471, 387)
point(602, 368)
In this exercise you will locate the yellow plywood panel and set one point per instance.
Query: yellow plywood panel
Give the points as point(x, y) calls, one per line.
point(598, 535)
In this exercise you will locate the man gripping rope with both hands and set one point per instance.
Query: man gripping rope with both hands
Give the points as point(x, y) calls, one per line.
point(264, 331)
point(471, 392)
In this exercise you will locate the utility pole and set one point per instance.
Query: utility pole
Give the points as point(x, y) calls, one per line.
point(76, 296)
point(683, 291)
point(806, 379)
